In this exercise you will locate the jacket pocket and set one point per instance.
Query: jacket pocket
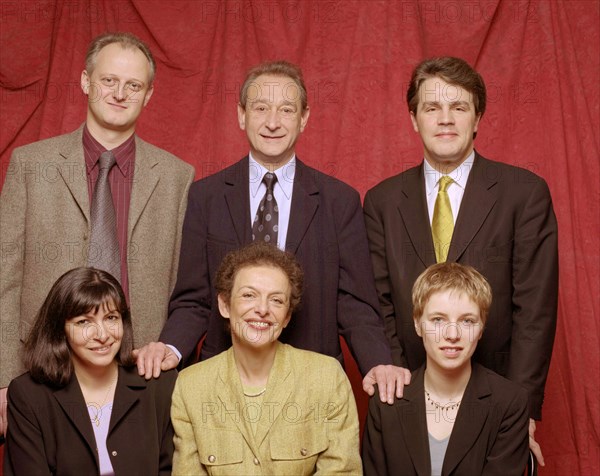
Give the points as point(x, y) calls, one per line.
point(219, 449)
point(296, 447)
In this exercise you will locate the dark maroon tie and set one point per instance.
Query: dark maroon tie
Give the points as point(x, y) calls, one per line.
point(266, 221)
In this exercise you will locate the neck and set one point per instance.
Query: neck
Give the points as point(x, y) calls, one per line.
point(446, 167)
point(96, 378)
point(109, 138)
point(447, 384)
point(273, 164)
point(254, 365)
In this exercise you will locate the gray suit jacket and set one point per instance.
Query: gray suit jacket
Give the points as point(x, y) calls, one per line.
point(45, 225)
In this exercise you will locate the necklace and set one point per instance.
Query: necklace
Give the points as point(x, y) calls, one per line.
point(97, 409)
point(258, 394)
point(438, 405)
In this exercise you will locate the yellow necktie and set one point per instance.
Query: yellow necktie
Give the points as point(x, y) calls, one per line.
point(442, 224)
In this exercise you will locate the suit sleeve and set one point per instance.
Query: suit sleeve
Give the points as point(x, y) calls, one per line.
point(25, 443)
point(186, 459)
point(535, 295)
point(165, 461)
point(509, 451)
point(190, 305)
point(376, 238)
point(358, 311)
point(342, 455)
point(373, 452)
point(13, 207)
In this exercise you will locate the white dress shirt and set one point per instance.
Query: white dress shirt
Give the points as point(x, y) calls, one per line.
point(455, 191)
point(282, 190)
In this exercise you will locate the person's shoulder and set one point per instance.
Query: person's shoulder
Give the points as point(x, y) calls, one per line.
point(394, 182)
point(51, 143)
point(326, 183)
point(171, 161)
point(25, 386)
point(513, 175)
point(314, 361)
point(500, 386)
point(205, 370)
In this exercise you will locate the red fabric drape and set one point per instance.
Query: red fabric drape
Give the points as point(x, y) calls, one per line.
point(540, 60)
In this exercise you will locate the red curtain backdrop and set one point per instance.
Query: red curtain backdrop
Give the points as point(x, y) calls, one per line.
point(540, 60)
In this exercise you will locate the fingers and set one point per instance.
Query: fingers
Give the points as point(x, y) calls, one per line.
point(150, 359)
point(534, 445)
point(3, 410)
point(390, 381)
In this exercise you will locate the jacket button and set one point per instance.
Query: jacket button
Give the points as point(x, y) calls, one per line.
point(114, 453)
point(212, 459)
point(303, 452)
point(256, 461)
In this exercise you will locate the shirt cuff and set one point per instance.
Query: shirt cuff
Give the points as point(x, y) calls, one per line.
point(175, 351)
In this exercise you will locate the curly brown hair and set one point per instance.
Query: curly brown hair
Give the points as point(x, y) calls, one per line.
point(260, 254)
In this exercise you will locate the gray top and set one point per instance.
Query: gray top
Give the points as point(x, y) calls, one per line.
point(437, 451)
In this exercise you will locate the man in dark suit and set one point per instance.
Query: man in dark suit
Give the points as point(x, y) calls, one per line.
point(459, 206)
point(271, 195)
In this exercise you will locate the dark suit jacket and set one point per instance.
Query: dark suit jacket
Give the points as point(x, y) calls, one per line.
point(326, 233)
point(490, 434)
point(51, 433)
point(506, 229)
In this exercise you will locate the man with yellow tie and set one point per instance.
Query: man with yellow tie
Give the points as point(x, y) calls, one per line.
point(458, 206)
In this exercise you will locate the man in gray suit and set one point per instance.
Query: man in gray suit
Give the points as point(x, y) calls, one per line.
point(48, 206)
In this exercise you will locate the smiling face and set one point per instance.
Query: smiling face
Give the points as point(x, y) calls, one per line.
point(259, 308)
point(95, 338)
point(118, 88)
point(446, 120)
point(450, 327)
point(273, 119)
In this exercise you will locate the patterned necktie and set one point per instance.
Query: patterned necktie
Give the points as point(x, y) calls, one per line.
point(442, 225)
point(104, 251)
point(266, 221)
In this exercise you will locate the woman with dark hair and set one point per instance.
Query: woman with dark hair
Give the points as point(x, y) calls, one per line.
point(263, 407)
point(82, 408)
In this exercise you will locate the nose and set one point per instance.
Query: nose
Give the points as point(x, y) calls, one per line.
point(451, 332)
point(262, 307)
point(119, 92)
point(446, 116)
point(272, 120)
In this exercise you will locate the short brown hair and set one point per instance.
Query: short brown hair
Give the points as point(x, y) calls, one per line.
point(455, 71)
point(126, 40)
point(455, 277)
point(259, 253)
point(275, 68)
point(79, 291)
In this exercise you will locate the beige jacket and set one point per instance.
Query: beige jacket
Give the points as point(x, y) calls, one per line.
point(45, 225)
point(307, 423)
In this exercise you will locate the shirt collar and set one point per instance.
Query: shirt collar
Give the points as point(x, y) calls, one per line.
point(122, 153)
point(285, 175)
point(460, 174)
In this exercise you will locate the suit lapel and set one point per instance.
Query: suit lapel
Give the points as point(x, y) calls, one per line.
point(73, 172)
point(305, 202)
point(71, 400)
point(413, 208)
point(279, 389)
point(413, 422)
point(125, 395)
point(477, 202)
point(238, 201)
point(471, 417)
point(145, 179)
point(231, 396)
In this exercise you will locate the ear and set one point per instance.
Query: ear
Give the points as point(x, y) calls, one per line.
point(477, 119)
point(241, 113)
point(148, 94)
point(287, 320)
point(85, 82)
point(304, 119)
point(417, 323)
point(414, 121)
point(223, 307)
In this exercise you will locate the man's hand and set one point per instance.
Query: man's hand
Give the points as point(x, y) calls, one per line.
point(534, 446)
point(154, 358)
point(3, 410)
point(388, 378)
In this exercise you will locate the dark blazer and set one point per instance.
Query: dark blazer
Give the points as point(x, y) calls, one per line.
point(326, 233)
point(507, 230)
point(490, 434)
point(50, 430)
